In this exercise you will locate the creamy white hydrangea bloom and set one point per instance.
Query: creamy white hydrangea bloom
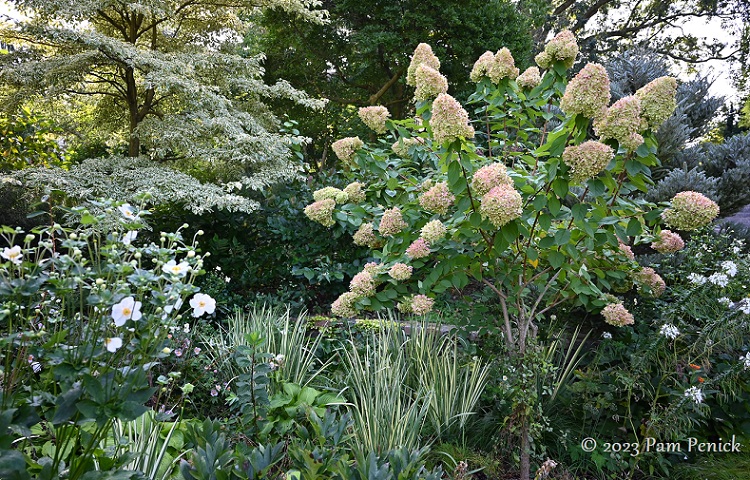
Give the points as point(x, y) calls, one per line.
point(127, 309)
point(696, 279)
point(13, 254)
point(744, 306)
point(719, 279)
point(746, 360)
point(695, 394)
point(669, 331)
point(202, 303)
point(725, 301)
point(729, 267)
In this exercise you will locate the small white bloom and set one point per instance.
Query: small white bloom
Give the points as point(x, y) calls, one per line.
point(744, 306)
point(227, 279)
point(696, 279)
point(725, 301)
point(127, 309)
point(729, 267)
point(746, 360)
point(202, 303)
point(669, 331)
point(13, 254)
point(695, 394)
point(113, 344)
point(606, 335)
point(178, 269)
point(719, 279)
point(129, 237)
point(128, 211)
point(279, 359)
point(186, 328)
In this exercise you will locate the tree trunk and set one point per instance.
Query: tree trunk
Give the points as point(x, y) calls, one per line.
point(525, 449)
point(134, 148)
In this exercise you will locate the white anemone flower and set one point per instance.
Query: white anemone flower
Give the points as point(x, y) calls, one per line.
point(202, 303)
point(128, 211)
point(129, 237)
point(127, 309)
point(13, 254)
point(174, 268)
point(113, 344)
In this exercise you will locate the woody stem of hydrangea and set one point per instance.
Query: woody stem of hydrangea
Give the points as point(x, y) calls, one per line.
point(620, 180)
point(544, 292)
point(504, 306)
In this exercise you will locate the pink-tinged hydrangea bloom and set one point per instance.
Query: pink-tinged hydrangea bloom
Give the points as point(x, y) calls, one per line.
point(400, 272)
point(627, 251)
point(489, 177)
point(346, 148)
point(668, 242)
point(355, 192)
point(647, 276)
point(365, 236)
point(127, 309)
point(503, 67)
point(402, 146)
point(587, 93)
point(449, 120)
point(433, 231)
point(420, 248)
point(363, 284)
point(530, 78)
point(373, 268)
point(422, 56)
point(391, 222)
point(430, 83)
point(321, 212)
point(562, 48)
point(587, 160)
point(616, 314)
point(482, 67)
point(375, 117)
point(334, 193)
point(421, 304)
point(622, 122)
point(690, 211)
point(501, 205)
point(344, 305)
point(437, 199)
point(658, 100)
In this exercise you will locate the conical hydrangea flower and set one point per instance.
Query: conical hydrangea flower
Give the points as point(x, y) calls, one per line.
point(344, 306)
point(422, 56)
point(391, 222)
point(402, 146)
point(321, 212)
point(363, 284)
point(433, 231)
point(501, 205)
point(355, 192)
point(690, 211)
point(627, 251)
point(648, 276)
point(419, 248)
point(562, 48)
point(437, 199)
point(489, 177)
point(622, 122)
point(658, 100)
point(668, 242)
point(449, 120)
point(400, 272)
point(430, 83)
point(530, 78)
point(346, 148)
point(616, 314)
point(365, 236)
point(374, 117)
point(482, 67)
point(587, 93)
point(418, 305)
point(339, 196)
point(503, 67)
point(588, 159)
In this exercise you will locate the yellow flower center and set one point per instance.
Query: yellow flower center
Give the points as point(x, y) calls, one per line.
point(201, 304)
point(126, 311)
point(176, 269)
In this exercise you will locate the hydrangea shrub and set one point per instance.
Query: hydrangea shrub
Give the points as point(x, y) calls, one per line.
point(512, 194)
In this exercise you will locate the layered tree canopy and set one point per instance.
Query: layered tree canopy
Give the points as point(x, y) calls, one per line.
point(163, 76)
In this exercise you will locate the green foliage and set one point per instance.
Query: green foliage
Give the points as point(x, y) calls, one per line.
point(28, 140)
